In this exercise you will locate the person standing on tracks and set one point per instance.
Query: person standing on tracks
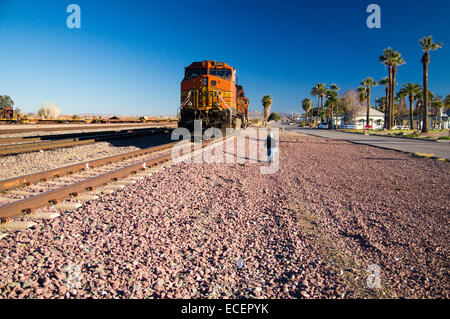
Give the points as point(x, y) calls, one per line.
point(271, 147)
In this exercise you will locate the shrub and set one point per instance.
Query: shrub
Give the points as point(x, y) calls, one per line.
point(274, 117)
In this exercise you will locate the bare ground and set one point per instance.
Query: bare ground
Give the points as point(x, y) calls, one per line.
point(226, 231)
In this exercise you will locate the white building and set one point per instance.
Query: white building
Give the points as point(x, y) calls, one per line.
point(358, 120)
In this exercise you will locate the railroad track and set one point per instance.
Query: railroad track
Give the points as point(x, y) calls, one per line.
point(19, 145)
point(22, 195)
point(78, 128)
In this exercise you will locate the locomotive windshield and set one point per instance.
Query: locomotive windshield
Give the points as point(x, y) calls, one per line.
point(194, 72)
point(223, 73)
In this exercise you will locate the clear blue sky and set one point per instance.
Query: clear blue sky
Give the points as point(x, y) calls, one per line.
point(129, 56)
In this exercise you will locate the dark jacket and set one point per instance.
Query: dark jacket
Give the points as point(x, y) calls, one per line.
point(271, 143)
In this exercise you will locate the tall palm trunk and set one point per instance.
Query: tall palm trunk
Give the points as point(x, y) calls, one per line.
point(419, 113)
point(425, 61)
point(411, 111)
point(368, 107)
point(318, 105)
point(331, 117)
point(435, 119)
point(386, 107)
point(392, 91)
point(321, 109)
point(388, 124)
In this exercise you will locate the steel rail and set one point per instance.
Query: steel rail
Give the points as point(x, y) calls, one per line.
point(27, 205)
point(79, 128)
point(52, 137)
point(14, 149)
point(29, 179)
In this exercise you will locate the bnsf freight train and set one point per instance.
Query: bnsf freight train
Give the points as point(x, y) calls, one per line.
point(210, 92)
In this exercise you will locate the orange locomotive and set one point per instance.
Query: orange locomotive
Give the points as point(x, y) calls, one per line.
point(209, 92)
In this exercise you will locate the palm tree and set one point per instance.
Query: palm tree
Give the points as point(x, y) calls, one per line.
point(419, 101)
point(334, 97)
point(319, 90)
point(427, 46)
point(447, 101)
point(396, 62)
point(307, 106)
point(419, 104)
point(381, 103)
point(387, 59)
point(437, 105)
point(391, 59)
point(411, 89)
point(323, 92)
point(368, 83)
point(267, 103)
point(315, 92)
point(401, 97)
point(385, 82)
point(362, 94)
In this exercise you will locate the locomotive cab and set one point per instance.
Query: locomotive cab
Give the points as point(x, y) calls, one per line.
point(209, 92)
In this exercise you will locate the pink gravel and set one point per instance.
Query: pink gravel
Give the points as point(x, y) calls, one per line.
point(226, 231)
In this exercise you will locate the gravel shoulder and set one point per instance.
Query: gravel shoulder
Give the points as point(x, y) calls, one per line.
point(225, 231)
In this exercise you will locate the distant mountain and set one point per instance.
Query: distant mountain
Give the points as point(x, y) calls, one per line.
point(255, 114)
point(259, 115)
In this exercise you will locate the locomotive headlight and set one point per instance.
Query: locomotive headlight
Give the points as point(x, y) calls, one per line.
point(190, 104)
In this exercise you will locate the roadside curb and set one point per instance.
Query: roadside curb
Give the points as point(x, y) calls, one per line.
point(441, 159)
point(401, 137)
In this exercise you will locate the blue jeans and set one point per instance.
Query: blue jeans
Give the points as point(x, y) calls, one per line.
point(271, 154)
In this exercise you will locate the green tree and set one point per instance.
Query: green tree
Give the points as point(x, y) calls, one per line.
point(320, 91)
point(274, 117)
point(381, 103)
point(447, 101)
point(334, 100)
point(392, 59)
point(332, 97)
point(267, 103)
point(307, 105)
point(368, 83)
point(362, 94)
point(411, 89)
point(17, 113)
point(437, 105)
point(401, 111)
point(387, 59)
point(428, 45)
point(6, 101)
point(398, 60)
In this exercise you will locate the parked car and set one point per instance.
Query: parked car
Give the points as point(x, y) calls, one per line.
point(324, 125)
point(350, 126)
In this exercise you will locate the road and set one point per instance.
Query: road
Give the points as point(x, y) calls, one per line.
point(441, 150)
